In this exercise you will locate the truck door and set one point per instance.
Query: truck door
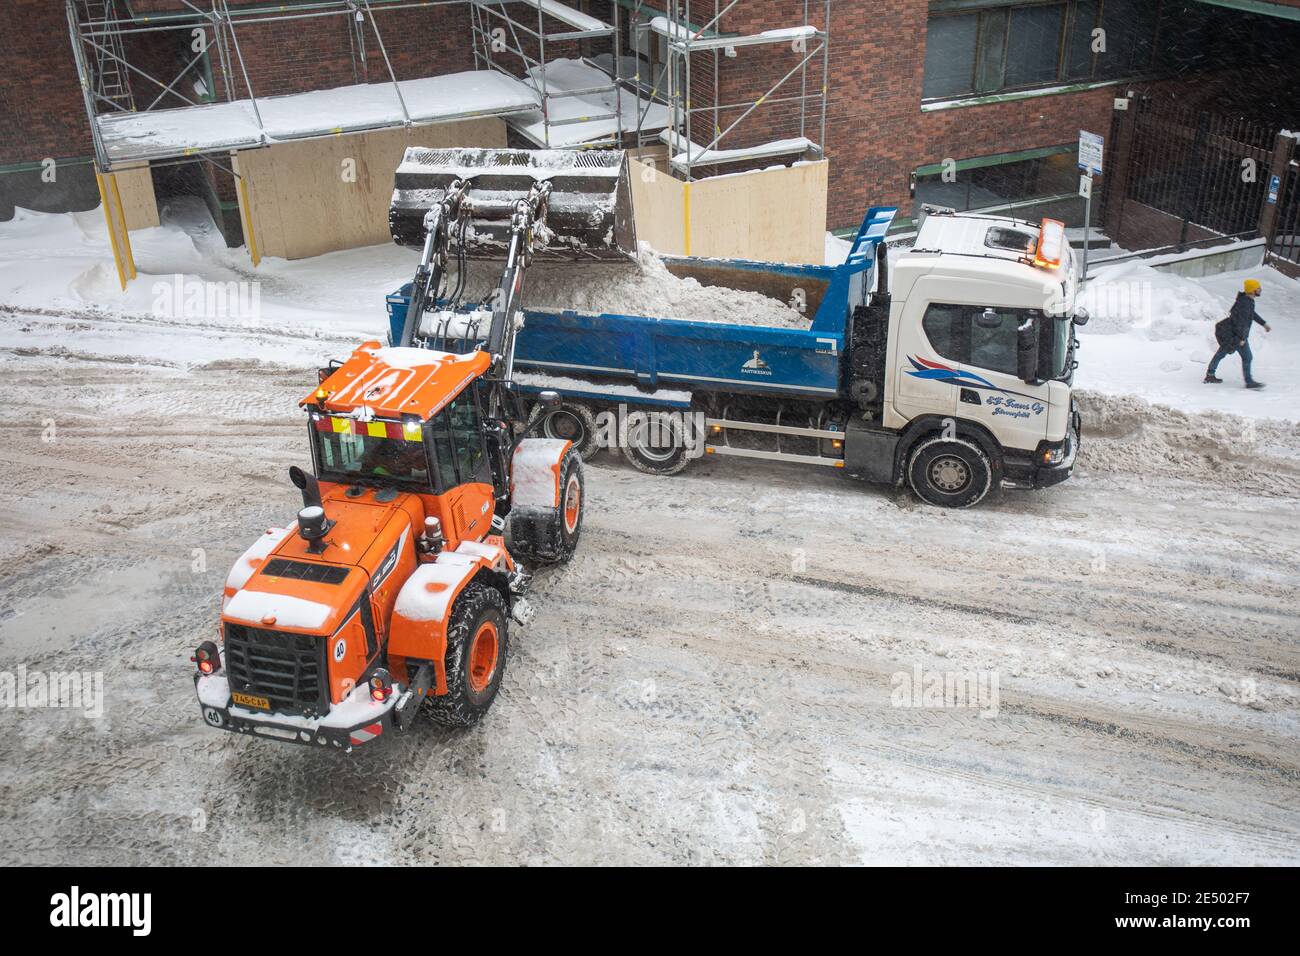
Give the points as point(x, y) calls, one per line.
point(990, 390)
point(926, 352)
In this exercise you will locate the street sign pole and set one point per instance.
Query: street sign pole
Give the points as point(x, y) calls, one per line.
point(1085, 190)
point(1092, 152)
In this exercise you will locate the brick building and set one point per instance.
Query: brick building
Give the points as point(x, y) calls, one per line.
point(990, 92)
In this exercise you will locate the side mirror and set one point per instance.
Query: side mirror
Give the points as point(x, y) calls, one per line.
point(549, 399)
point(1081, 317)
point(989, 319)
point(1027, 352)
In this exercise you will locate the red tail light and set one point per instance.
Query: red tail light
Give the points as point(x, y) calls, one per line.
point(206, 658)
point(381, 686)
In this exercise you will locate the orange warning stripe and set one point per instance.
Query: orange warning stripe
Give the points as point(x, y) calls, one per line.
point(372, 429)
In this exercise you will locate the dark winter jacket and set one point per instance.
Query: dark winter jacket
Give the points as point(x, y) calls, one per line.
point(1235, 329)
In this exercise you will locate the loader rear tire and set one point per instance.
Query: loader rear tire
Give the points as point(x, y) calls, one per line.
point(570, 421)
point(551, 536)
point(478, 643)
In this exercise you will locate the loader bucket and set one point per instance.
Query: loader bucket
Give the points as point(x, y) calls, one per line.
point(589, 215)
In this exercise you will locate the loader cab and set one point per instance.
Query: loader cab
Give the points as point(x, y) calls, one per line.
point(396, 420)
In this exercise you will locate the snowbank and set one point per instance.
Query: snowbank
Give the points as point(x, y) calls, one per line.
point(1152, 335)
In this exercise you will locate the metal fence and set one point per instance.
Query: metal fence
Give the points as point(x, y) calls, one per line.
point(1284, 230)
point(1204, 169)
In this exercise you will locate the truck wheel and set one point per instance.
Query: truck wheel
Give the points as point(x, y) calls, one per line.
point(478, 641)
point(950, 472)
point(655, 443)
point(571, 421)
point(551, 536)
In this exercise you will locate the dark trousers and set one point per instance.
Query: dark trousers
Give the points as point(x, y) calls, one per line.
point(1226, 350)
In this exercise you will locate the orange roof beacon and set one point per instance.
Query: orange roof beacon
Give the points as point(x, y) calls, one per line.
point(394, 587)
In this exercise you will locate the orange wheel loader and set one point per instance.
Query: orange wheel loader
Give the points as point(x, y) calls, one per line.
point(395, 590)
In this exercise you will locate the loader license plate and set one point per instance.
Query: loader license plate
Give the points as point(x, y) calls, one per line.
point(248, 700)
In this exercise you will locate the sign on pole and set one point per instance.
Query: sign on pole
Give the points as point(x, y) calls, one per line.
point(1085, 187)
point(1092, 149)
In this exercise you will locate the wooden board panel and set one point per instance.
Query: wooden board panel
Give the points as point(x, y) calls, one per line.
point(135, 185)
point(323, 195)
point(657, 207)
point(776, 215)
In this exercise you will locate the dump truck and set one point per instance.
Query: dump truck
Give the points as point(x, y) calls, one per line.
point(394, 590)
point(955, 382)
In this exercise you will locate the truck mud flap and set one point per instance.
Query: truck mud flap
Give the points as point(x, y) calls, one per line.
point(869, 453)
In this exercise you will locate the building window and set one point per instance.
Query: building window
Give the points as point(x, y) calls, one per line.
point(1002, 46)
point(1016, 182)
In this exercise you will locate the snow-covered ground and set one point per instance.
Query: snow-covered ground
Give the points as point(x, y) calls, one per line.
point(713, 678)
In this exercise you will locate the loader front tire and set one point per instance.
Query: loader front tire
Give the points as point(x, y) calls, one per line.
point(478, 643)
point(551, 536)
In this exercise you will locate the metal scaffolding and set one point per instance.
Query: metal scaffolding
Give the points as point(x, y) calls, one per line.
point(683, 41)
point(100, 31)
point(503, 41)
point(649, 56)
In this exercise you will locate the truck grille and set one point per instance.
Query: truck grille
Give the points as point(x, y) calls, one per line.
point(287, 669)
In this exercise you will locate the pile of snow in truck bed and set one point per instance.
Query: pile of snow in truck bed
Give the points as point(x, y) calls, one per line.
point(643, 287)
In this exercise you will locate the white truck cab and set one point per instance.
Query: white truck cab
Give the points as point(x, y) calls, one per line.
point(978, 362)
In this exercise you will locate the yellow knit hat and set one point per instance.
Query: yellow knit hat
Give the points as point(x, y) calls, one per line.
point(1252, 286)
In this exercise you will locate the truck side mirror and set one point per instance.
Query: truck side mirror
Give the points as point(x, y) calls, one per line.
point(549, 399)
point(1081, 317)
point(989, 319)
point(1027, 352)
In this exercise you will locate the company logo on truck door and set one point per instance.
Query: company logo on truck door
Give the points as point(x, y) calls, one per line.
point(924, 368)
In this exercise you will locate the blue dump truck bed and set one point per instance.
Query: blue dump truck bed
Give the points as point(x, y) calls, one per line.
point(662, 353)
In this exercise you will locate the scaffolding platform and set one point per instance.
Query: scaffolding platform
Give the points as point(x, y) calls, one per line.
point(583, 108)
point(239, 124)
point(694, 154)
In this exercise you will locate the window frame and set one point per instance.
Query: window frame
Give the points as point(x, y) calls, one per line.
point(987, 12)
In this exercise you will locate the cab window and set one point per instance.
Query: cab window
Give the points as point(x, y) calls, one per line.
point(983, 337)
point(942, 326)
point(993, 347)
point(467, 438)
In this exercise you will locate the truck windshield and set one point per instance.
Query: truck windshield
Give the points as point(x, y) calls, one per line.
point(370, 453)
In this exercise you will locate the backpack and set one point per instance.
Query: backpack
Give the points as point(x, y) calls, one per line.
point(1224, 334)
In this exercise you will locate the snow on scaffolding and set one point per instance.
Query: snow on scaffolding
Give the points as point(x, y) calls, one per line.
point(565, 14)
point(164, 134)
point(699, 156)
point(567, 113)
point(711, 41)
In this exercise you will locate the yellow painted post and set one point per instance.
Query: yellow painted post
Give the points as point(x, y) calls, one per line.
point(686, 218)
point(126, 231)
point(112, 230)
point(248, 221)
